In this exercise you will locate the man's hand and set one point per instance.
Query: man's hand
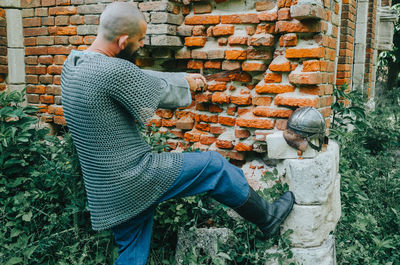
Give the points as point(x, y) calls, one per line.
point(196, 82)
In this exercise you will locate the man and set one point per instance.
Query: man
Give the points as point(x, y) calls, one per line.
point(105, 99)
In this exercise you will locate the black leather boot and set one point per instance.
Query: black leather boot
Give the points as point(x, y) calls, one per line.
point(268, 217)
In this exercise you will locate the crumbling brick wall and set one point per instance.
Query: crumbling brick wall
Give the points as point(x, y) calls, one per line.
point(3, 50)
point(284, 51)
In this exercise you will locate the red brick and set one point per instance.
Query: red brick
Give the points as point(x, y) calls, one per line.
point(30, 60)
point(220, 97)
point(32, 79)
point(253, 66)
point(47, 99)
point(231, 110)
point(284, 14)
point(237, 40)
point(272, 77)
point(59, 59)
point(297, 26)
point(35, 31)
point(163, 113)
point(222, 41)
point(281, 124)
point(241, 99)
point(62, 10)
point(312, 78)
point(212, 65)
point(280, 64)
point(193, 135)
point(45, 40)
point(217, 87)
point(224, 144)
point(288, 40)
point(242, 133)
point(61, 20)
point(296, 100)
point(205, 127)
point(76, 20)
point(311, 66)
point(202, 19)
point(286, 3)
point(195, 65)
point(202, 8)
point(76, 40)
point(312, 52)
point(312, 90)
point(207, 139)
point(272, 112)
point(265, 5)
point(30, 41)
point(222, 30)
point(243, 147)
point(253, 122)
point(230, 65)
point(206, 118)
point(259, 54)
point(241, 77)
point(262, 101)
point(63, 30)
point(36, 50)
point(88, 40)
point(235, 55)
point(202, 97)
point(63, 2)
point(60, 120)
point(199, 30)
point(240, 19)
point(32, 22)
point(229, 121)
point(55, 109)
point(36, 89)
point(268, 16)
point(48, 2)
point(195, 41)
point(265, 40)
point(274, 88)
point(250, 30)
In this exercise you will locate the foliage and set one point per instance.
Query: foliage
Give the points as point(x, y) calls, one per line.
point(370, 182)
point(44, 213)
point(44, 217)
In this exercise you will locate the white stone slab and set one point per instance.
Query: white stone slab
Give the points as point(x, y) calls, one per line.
point(16, 66)
point(15, 36)
point(311, 225)
point(279, 149)
point(312, 180)
point(10, 3)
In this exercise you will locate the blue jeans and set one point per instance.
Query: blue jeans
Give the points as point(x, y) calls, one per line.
point(201, 172)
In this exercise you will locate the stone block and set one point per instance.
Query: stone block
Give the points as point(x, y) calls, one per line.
point(87, 30)
point(279, 149)
point(16, 66)
point(15, 36)
point(10, 4)
point(158, 29)
point(321, 255)
point(312, 225)
point(162, 17)
point(307, 11)
point(163, 40)
point(185, 30)
point(313, 180)
point(201, 239)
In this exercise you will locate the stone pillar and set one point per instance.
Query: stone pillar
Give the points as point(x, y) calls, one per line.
point(315, 182)
point(15, 45)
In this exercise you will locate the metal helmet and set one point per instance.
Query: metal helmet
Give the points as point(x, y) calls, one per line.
point(309, 123)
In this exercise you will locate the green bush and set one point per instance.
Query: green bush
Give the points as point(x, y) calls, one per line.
point(44, 216)
point(368, 231)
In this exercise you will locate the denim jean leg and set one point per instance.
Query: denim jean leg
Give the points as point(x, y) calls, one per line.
point(133, 239)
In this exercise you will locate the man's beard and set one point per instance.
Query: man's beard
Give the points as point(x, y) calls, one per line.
point(126, 54)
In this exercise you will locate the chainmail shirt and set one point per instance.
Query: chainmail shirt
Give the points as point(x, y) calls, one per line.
point(104, 99)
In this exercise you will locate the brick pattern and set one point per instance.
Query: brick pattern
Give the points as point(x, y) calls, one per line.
point(285, 58)
point(369, 79)
point(346, 52)
point(3, 50)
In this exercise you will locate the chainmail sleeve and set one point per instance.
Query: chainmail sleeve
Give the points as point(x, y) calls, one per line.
point(138, 92)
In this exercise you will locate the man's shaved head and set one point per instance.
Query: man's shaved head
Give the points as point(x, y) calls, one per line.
point(120, 18)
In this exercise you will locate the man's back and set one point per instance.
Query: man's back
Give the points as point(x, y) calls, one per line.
point(102, 97)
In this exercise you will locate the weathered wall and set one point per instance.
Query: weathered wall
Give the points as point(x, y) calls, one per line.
point(3, 49)
point(286, 51)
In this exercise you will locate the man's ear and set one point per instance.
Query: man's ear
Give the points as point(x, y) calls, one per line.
point(122, 41)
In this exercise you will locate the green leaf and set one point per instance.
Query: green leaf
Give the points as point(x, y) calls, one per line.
point(14, 260)
point(27, 216)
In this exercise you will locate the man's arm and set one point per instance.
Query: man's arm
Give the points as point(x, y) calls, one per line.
point(176, 88)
